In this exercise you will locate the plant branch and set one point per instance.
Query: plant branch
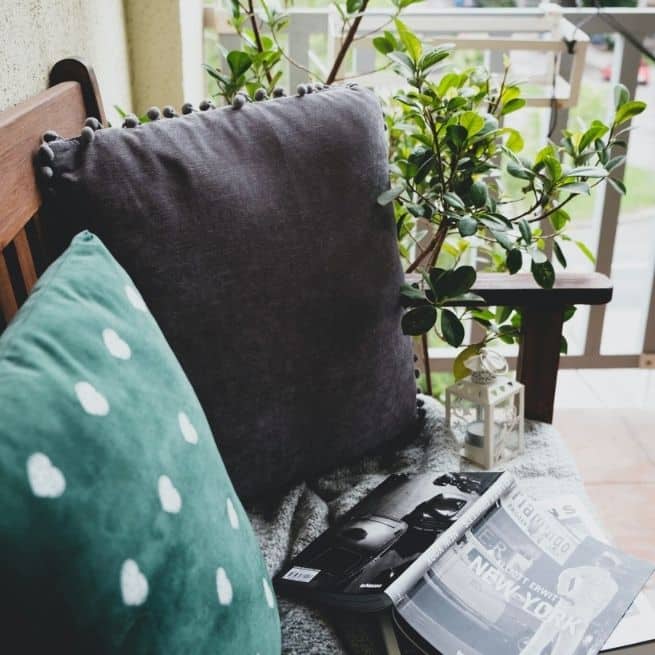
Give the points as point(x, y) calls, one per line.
point(415, 264)
point(258, 38)
point(292, 61)
point(343, 50)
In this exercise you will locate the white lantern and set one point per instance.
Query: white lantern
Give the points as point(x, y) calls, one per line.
point(485, 411)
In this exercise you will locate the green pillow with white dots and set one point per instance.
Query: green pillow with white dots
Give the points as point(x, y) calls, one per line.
point(120, 531)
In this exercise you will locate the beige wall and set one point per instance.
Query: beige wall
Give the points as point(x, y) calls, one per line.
point(34, 34)
point(144, 52)
point(165, 39)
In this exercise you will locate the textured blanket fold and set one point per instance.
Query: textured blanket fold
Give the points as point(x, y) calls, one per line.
point(288, 523)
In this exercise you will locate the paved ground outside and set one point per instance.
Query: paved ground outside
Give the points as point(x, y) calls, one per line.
point(606, 417)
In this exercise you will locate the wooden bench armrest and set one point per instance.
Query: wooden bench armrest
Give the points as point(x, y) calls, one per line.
point(520, 290)
point(541, 329)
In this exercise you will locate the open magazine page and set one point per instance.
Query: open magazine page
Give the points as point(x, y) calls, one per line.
point(638, 624)
point(354, 562)
point(520, 583)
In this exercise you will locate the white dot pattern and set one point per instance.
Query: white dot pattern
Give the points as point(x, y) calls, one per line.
point(232, 515)
point(134, 585)
point(135, 298)
point(189, 433)
point(116, 346)
point(45, 479)
point(92, 401)
point(223, 587)
point(48, 481)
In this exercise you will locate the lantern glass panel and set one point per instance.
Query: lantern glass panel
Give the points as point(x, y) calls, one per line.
point(507, 433)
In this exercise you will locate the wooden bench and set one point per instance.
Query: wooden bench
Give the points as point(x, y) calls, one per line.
point(25, 249)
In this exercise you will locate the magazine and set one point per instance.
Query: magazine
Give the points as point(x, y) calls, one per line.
point(638, 624)
point(467, 564)
point(385, 538)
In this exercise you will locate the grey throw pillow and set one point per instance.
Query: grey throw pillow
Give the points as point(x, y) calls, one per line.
point(255, 238)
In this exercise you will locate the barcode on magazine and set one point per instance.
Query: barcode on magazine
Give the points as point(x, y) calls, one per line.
point(300, 574)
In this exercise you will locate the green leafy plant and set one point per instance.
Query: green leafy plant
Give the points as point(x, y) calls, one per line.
point(258, 64)
point(449, 153)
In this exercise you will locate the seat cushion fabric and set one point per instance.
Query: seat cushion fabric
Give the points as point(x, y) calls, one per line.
point(287, 523)
point(120, 531)
point(255, 237)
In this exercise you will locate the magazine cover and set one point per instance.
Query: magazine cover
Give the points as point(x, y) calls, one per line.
point(521, 583)
point(638, 624)
point(354, 562)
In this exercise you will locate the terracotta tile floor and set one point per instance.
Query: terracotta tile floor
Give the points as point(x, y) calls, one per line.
point(607, 418)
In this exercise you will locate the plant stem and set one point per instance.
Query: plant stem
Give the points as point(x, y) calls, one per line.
point(414, 265)
point(442, 233)
point(258, 38)
point(434, 247)
point(343, 50)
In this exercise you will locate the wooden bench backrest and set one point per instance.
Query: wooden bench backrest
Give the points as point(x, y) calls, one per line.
point(72, 97)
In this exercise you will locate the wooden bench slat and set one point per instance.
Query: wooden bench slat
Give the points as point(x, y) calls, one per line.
point(25, 260)
point(7, 297)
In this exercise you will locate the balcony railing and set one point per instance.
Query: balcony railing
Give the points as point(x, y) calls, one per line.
point(618, 231)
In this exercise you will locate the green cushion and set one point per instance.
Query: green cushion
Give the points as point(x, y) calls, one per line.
point(120, 531)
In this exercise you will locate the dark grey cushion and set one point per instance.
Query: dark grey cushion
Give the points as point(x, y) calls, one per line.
point(255, 238)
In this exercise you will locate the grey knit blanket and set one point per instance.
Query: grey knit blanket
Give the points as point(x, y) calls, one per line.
point(285, 525)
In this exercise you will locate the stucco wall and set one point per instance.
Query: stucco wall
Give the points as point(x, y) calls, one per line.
point(34, 34)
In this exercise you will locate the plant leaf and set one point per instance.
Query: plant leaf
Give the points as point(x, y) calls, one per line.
point(544, 274)
point(382, 45)
point(404, 63)
point(514, 260)
point(455, 282)
point(621, 95)
point(628, 110)
point(526, 232)
point(419, 320)
point(389, 195)
point(503, 313)
point(239, 62)
point(411, 42)
point(502, 239)
point(472, 122)
point(585, 251)
point(587, 171)
point(467, 226)
point(452, 329)
point(617, 185)
point(453, 200)
point(596, 131)
point(614, 162)
point(559, 254)
point(411, 296)
point(575, 188)
point(457, 135)
point(479, 193)
point(514, 141)
point(517, 170)
point(433, 57)
point(459, 369)
point(559, 219)
point(513, 105)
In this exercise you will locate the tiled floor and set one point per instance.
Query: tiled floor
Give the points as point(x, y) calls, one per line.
point(607, 417)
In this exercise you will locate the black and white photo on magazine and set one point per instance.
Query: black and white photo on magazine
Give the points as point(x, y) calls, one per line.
point(520, 583)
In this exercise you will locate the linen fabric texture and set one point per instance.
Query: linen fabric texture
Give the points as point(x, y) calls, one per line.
point(255, 237)
point(120, 531)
